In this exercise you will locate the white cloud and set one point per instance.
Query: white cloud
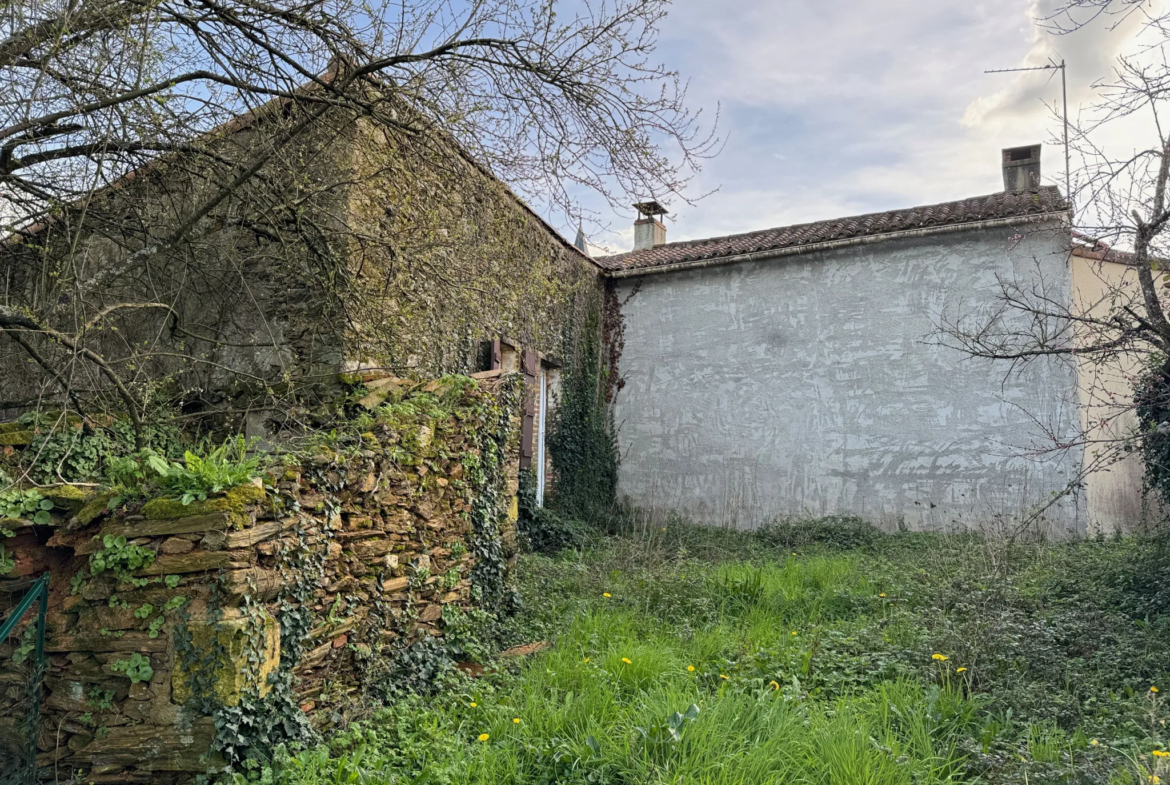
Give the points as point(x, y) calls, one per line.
point(834, 108)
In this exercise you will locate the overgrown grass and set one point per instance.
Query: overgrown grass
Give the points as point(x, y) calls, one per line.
point(809, 652)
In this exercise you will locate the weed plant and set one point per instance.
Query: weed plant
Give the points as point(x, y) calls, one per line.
point(811, 652)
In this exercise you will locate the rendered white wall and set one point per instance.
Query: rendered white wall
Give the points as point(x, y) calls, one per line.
point(813, 384)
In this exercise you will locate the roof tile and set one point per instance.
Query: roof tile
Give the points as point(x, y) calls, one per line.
point(1044, 200)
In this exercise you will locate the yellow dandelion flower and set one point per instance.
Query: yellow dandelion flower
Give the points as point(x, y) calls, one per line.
point(690, 669)
point(794, 632)
point(959, 670)
point(586, 659)
point(474, 704)
point(626, 660)
point(484, 737)
point(1153, 689)
point(1093, 743)
point(1161, 754)
point(725, 678)
point(606, 595)
point(515, 720)
point(1154, 778)
point(939, 657)
point(774, 685)
point(883, 594)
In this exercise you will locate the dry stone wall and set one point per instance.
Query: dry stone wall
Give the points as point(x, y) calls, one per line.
point(173, 627)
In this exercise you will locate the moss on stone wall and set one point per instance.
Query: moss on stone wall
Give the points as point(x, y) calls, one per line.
point(402, 255)
point(459, 260)
point(271, 610)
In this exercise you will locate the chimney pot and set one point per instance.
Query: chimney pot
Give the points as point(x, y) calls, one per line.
point(1021, 168)
point(648, 230)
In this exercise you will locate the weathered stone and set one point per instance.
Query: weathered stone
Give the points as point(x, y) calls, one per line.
point(16, 438)
point(234, 672)
point(431, 613)
point(367, 549)
point(249, 537)
point(176, 545)
point(198, 561)
point(255, 582)
point(95, 618)
point(232, 502)
point(66, 497)
point(395, 584)
point(158, 528)
point(183, 747)
point(97, 505)
point(154, 712)
point(214, 541)
point(130, 641)
point(68, 696)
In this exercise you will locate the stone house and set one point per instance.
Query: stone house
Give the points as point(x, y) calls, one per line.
point(404, 261)
point(798, 370)
point(399, 256)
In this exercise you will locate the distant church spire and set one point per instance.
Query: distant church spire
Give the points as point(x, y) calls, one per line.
point(581, 243)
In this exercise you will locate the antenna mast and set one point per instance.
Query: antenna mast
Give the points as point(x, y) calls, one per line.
point(1052, 66)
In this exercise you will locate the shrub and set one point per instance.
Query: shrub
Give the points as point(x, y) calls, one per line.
point(843, 532)
point(542, 530)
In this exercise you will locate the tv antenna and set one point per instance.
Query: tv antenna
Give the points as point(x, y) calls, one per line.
point(1052, 65)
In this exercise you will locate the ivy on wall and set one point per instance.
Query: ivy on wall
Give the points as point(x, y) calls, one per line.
point(582, 442)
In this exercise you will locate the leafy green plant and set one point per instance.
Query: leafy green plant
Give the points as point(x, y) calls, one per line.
point(667, 733)
point(223, 468)
point(136, 667)
point(131, 475)
point(83, 454)
point(120, 557)
point(25, 504)
point(543, 530)
point(100, 699)
point(28, 643)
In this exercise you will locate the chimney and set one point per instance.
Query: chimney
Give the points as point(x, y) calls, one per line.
point(648, 231)
point(1021, 168)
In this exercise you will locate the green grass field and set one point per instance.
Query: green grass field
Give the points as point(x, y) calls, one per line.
point(804, 654)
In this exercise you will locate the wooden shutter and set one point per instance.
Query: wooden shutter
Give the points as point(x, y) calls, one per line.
point(497, 360)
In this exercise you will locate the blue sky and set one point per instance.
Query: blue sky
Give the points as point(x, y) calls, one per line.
point(838, 107)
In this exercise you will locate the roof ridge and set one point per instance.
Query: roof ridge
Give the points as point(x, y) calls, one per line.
point(1045, 199)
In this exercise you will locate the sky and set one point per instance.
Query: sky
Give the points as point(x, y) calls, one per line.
point(832, 108)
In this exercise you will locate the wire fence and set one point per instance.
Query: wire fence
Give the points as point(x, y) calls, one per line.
point(22, 668)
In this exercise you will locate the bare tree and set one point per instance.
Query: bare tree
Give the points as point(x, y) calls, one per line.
point(102, 95)
point(1116, 331)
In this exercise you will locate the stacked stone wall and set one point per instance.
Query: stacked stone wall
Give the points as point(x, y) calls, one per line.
point(293, 594)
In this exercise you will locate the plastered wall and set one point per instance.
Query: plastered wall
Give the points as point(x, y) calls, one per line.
point(816, 384)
